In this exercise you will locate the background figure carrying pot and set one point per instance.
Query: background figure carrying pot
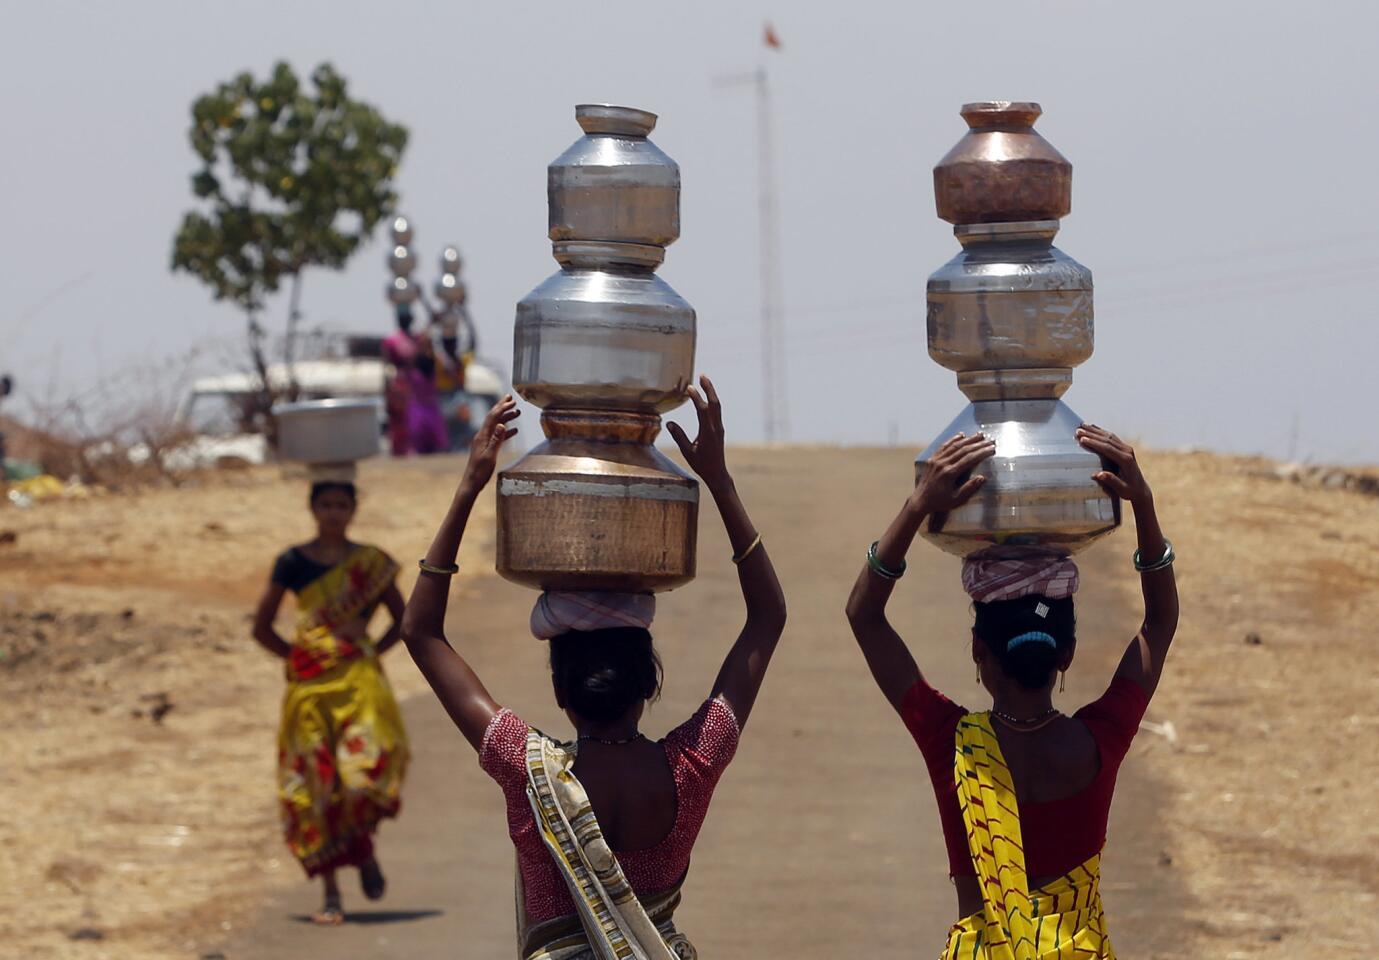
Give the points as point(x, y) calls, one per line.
point(453, 345)
point(342, 748)
point(415, 424)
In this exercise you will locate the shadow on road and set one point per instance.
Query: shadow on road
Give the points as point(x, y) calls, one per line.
point(365, 917)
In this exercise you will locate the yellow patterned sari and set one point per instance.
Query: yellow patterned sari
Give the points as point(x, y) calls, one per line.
point(1060, 921)
point(342, 748)
point(612, 923)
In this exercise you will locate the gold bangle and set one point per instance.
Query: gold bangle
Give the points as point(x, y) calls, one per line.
point(449, 571)
point(748, 552)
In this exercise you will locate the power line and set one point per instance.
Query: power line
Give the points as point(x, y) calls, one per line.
point(1205, 293)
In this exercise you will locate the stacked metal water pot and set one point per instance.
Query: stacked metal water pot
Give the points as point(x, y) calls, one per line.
point(401, 291)
point(604, 347)
point(1012, 315)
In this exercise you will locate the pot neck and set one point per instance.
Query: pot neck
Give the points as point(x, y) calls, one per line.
point(607, 426)
point(1038, 232)
point(637, 258)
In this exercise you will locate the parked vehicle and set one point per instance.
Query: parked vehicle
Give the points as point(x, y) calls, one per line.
point(217, 415)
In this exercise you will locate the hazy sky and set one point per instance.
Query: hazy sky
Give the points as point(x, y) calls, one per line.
point(1224, 193)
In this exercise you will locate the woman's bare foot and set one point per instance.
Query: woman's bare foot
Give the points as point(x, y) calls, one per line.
point(331, 914)
point(372, 880)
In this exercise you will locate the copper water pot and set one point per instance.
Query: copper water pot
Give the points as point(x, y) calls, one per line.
point(597, 507)
point(1002, 171)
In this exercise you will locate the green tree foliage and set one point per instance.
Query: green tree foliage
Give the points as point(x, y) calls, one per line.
point(290, 178)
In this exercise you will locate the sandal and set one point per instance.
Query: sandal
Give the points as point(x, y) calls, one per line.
point(330, 915)
point(372, 880)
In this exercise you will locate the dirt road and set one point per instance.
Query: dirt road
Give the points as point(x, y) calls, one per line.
point(823, 839)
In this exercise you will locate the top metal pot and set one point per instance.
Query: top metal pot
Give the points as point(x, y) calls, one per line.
point(613, 184)
point(1002, 170)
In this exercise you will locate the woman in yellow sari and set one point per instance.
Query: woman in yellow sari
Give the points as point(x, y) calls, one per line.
point(1023, 790)
point(342, 749)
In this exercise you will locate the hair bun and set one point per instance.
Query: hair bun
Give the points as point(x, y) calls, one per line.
point(1027, 636)
point(601, 674)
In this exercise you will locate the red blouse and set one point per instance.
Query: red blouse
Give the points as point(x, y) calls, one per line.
point(697, 751)
point(1058, 835)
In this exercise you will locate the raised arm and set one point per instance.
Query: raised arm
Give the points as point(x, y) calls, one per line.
point(740, 677)
point(432, 314)
point(1144, 657)
point(423, 621)
point(947, 485)
point(471, 343)
point(264, 615)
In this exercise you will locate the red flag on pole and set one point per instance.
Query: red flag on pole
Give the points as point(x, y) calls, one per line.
point(770, 37)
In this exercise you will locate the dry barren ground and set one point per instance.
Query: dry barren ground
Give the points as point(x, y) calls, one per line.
point(1273, 693)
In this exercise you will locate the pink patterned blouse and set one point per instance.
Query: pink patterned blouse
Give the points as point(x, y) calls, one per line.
point(697, 751)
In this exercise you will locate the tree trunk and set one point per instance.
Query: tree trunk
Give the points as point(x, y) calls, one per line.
point(294, 316)
point(259, 416)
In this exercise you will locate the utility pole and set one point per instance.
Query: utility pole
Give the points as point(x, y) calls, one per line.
point(775, 410)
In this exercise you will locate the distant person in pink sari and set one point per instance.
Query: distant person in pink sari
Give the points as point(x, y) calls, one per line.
point(400, 350)
point(425, 422)
point(415, 423)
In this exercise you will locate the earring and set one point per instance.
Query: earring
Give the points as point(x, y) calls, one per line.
point(1062, 680)
point(979, 676)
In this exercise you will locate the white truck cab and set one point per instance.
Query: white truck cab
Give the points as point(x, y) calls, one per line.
point(215, 413)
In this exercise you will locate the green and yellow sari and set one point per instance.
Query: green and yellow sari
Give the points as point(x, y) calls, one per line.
point(1060, 921)
point(342, 748)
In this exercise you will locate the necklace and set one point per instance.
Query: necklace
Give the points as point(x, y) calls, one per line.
point(612, 743)
point(1027, 724)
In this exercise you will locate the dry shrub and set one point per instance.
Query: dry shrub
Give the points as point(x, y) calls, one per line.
point(59, 456)
point(116, 434)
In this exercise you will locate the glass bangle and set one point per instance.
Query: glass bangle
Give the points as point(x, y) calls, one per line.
point(1160, 564)
point(879, 568)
